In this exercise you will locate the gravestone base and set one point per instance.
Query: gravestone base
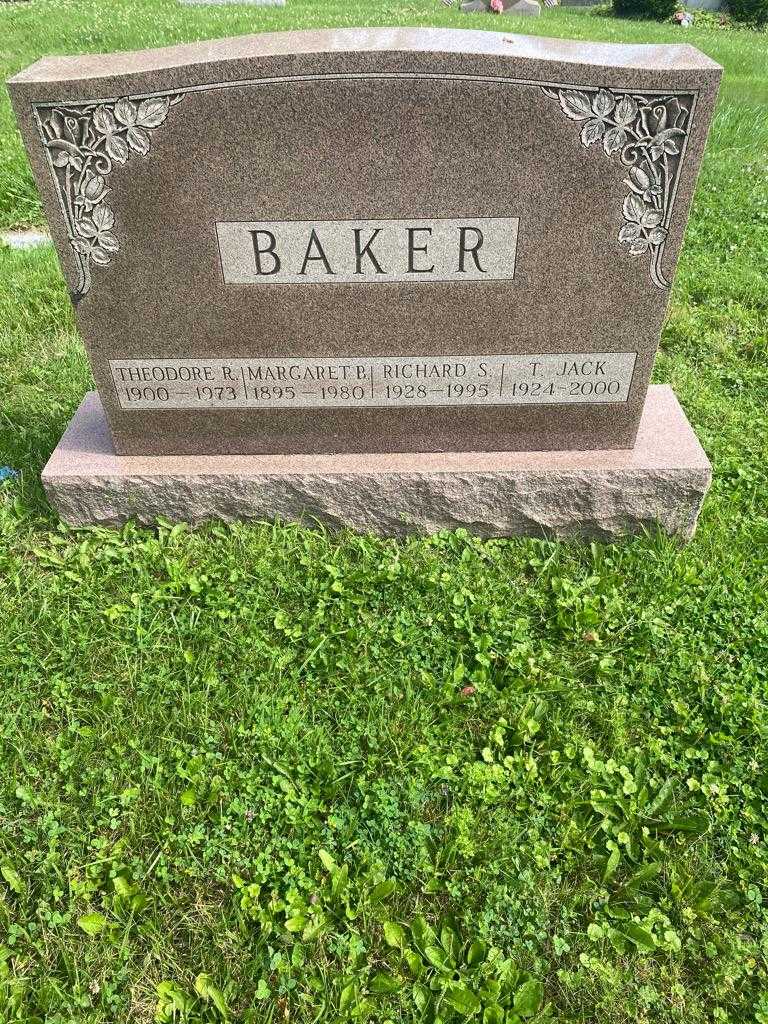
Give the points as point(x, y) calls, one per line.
point(599, 494)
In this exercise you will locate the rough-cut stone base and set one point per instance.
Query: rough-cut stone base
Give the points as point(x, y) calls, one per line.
point(603, 494)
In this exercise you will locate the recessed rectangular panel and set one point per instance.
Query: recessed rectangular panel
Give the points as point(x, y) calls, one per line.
point(373, 382)
point(368, 252)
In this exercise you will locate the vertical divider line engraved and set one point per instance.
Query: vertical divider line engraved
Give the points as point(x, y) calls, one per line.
point(633, 232)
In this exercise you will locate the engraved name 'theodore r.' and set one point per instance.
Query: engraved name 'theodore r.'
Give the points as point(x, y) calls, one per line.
point(368, 251)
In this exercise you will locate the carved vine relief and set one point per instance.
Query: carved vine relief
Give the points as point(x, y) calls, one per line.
point(86, 141)
point(648, 133)
point(84, 145)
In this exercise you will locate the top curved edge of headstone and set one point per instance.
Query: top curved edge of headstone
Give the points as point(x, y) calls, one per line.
point(652, 57)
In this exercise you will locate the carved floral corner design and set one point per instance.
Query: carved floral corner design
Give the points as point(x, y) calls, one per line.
point(84, 142)
point(649, 134)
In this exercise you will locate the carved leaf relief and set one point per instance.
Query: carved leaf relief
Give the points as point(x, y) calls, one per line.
point(648, 133)
point(85, 142)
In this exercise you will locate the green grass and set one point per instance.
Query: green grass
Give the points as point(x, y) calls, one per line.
point(188, 718)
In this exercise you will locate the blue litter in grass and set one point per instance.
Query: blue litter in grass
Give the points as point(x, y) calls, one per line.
point(6, 473)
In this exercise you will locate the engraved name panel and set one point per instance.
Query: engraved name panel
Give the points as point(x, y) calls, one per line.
point(373, 381)
point(368, 251)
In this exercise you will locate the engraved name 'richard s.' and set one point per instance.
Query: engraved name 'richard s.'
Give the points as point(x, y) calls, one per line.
point(368, 251)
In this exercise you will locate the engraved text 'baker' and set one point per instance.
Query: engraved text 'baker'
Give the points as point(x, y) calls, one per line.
point(368, 251)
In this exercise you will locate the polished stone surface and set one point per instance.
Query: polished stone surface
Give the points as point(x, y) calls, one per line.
point(141, 158)
point(524, 7)
point(603, 494)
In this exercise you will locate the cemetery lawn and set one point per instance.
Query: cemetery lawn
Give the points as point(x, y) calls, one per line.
point(257, 773)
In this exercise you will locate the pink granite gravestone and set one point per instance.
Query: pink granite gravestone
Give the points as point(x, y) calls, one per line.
point(310, 262)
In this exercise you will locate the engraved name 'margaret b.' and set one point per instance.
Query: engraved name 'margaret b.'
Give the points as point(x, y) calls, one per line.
point(370, 251)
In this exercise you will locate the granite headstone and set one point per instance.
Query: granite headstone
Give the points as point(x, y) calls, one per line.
point(369, 241)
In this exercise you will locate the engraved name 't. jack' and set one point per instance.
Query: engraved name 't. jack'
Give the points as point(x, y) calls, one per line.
point(368, 251)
